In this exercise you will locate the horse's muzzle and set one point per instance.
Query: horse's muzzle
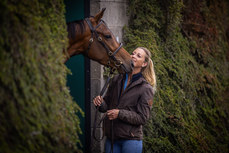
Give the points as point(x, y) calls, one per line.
point(131, 65)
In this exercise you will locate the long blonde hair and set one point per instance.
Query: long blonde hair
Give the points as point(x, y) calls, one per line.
point(148, 71)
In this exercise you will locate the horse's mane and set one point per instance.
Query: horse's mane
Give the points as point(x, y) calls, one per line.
point(72, 30)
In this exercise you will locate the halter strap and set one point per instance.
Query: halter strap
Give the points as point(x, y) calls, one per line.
point(111, 54)
point(117, 49)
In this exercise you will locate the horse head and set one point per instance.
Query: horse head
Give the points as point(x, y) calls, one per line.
point(93, 38)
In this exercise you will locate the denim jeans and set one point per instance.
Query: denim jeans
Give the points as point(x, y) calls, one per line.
point(124, 146)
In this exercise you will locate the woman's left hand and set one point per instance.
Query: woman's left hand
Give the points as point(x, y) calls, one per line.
point(112, 114)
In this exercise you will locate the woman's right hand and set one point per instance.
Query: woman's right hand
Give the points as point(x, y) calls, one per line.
point(98, 101)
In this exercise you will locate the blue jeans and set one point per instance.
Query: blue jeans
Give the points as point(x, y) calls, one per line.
point(124, 146)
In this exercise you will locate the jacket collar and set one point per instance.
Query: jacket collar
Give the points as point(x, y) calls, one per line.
point(136, 80)
point(135, 77)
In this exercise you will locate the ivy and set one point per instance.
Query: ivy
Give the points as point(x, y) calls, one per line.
point(37, 113)
point(190, 54)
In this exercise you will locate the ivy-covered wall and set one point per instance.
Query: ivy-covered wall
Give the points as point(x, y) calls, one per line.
point(189, 41)
point(37, 113)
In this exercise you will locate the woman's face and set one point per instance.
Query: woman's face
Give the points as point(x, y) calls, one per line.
point(138, 58)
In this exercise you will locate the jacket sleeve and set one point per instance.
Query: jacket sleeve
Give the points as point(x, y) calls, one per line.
point(104, 106)
point(142, 113)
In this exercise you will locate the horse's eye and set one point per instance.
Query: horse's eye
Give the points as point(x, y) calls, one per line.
point(107, 36)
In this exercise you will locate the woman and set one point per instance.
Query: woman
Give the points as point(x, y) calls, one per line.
point(127, 104)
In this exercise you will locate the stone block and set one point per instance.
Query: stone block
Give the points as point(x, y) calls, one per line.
point(96, 70)
point(95, 87)
point(116, 13)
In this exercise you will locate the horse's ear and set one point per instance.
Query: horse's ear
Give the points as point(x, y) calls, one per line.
point(99, 15)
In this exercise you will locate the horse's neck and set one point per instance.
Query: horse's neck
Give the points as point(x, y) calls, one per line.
point(75, 47)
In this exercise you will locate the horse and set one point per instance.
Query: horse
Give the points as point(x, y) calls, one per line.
point(92, 38)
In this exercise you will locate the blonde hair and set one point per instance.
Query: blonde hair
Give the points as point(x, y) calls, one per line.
point(148, 71)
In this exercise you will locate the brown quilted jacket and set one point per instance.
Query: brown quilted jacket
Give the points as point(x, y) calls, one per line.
point(134, 105)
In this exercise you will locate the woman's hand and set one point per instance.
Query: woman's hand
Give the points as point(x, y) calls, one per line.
point(112, 114)
point(98, 101)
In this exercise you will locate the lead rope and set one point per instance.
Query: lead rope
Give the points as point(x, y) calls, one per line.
point(97, 108)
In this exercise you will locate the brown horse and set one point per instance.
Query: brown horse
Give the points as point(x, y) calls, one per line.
point(94, 39)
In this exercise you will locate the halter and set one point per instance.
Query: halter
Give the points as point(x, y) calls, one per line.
point(111, 54)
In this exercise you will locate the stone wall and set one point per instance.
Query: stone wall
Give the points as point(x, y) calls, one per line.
point(116, 17)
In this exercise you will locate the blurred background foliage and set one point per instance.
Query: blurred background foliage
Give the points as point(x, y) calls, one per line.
point(189, 41)
point(37, 113)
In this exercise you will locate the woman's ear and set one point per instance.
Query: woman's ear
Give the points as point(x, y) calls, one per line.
point(144, 64)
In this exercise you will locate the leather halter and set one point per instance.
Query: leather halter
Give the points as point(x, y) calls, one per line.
point(111, 54)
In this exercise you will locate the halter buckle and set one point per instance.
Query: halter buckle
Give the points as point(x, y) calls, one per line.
point(110, 53)
point(113, 69)
point(99, 38)
point(91, 40)
point(118, 63)
point(108, 63)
